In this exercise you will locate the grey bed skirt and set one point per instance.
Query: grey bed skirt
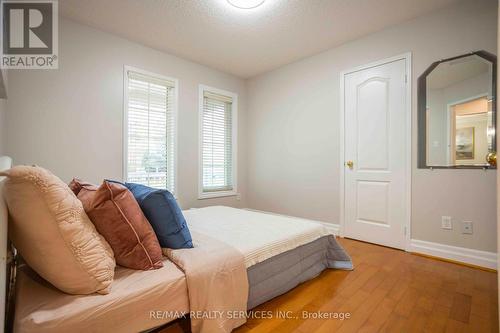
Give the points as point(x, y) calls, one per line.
point(279, 274)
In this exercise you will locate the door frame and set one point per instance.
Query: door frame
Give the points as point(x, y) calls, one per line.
point(407, 57)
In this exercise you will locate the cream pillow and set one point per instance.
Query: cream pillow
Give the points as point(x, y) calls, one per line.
point(53, 234)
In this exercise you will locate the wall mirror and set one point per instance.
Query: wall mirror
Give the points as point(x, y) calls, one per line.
point(457, 112)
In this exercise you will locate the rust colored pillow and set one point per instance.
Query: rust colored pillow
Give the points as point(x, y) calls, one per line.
point(117, 216)
point(84, 191)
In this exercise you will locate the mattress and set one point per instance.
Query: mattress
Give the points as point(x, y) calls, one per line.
point(139, 300)
point(280, 251)
point(279, 274)
point(258, 235)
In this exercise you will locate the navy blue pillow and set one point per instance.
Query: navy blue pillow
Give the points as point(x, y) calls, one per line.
point(164, 214)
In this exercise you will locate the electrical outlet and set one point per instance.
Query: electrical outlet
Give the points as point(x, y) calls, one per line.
point(446, 222)
point(467, 227)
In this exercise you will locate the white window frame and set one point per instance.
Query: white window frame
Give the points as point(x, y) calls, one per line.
point(125, 119)
point(234, 143)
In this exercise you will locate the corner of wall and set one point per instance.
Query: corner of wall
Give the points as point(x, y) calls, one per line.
point(498, 142)
point(3, 111)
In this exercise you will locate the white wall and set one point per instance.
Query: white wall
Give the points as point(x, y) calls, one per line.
point(70, 120)
point(293, 124)
point(3, 127)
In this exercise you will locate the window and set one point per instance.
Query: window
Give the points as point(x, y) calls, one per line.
point(150, 125)
point(217, 142)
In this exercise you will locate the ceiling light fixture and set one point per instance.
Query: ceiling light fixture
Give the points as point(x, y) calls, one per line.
point(246, 4)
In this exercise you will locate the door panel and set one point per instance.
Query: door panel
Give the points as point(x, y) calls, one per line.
point(375, 117)
point(372, 148)
point(372, 202)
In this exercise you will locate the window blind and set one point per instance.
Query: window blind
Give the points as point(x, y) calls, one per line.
point(217, 143)
point(151, 131)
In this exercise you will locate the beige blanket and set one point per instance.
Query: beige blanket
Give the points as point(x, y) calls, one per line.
point(217, 284)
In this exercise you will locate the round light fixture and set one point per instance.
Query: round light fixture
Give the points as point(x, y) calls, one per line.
point(246, 4)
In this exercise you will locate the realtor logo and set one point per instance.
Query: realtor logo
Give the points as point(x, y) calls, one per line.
point(29, 34)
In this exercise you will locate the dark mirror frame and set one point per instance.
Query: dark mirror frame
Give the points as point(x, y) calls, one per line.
point(422, 112)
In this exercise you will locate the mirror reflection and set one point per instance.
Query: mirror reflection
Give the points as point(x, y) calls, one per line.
point(459, 112)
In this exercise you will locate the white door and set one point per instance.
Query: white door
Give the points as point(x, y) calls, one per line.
point(375, 138)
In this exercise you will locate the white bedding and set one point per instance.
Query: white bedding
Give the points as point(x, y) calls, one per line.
point(259, 236)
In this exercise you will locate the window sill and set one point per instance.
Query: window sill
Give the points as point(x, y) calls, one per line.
point(211, 195)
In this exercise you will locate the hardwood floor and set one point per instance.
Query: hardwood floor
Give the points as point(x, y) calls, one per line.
point(388, 291)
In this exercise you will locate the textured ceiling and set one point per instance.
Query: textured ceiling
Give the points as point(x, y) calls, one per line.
point(244, 42)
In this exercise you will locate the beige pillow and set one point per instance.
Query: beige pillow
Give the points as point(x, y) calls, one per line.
point(54, 235)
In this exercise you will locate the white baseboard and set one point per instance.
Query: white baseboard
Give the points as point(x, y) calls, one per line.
point(333, 228)
point(461, 254)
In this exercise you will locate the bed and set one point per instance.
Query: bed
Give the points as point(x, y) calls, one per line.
point(277, 253)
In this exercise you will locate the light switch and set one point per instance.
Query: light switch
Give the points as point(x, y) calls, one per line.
point(446, 222)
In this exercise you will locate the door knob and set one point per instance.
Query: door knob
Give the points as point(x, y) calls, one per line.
point(350, 164)
point(491, 158)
